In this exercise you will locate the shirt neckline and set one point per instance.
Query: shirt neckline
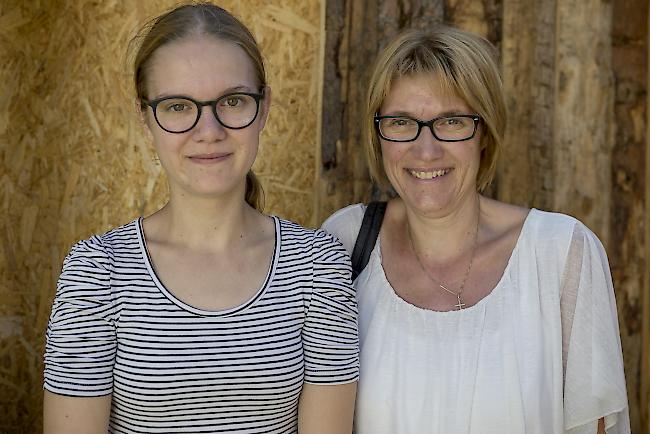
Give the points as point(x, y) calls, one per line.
point(205, 312)
point(475, 306)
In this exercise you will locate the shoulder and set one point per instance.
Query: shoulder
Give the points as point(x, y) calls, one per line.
point(558, 229)
point(552, 222)
point(318, 241)
point(345, 223)
point(562, 240)
point(97, 251)
point(571, 233)
point(350, 213)
point(321, 244)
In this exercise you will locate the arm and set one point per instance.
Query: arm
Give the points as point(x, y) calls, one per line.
point(331, 344)
point(80, 345)
point(326, 409)
point(75, 415)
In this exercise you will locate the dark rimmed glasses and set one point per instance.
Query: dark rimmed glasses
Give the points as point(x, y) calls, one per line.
point(179, 114)
point(455, 128)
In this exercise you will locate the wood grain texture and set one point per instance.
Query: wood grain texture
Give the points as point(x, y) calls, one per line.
point(644, 393)
point(583, 112)
point(629, 192)
point(527, 48)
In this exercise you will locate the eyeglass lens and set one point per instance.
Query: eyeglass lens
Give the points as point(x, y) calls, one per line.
point(180, 114)
point(402, 128)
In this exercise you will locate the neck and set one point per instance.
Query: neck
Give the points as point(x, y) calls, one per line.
point(204, 223)
point(442, 239)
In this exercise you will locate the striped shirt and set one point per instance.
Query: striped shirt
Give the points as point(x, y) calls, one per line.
point(171, 367)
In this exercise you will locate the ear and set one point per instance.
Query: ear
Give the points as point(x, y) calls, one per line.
point(142, 113)
point(265, 106)
point(140, 109)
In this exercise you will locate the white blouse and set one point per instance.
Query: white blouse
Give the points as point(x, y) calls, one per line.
point(497, 366)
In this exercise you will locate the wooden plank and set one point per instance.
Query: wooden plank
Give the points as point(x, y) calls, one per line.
point(629, 191)
point(644, 398)
point(583, 120)
point(525, 169)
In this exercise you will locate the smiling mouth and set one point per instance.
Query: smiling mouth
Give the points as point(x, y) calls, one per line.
point(419, 174)
point(208, 158)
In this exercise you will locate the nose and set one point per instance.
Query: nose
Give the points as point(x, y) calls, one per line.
point(208, 128)
point(427, 147)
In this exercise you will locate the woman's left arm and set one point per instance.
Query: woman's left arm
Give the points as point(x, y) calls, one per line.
point(330, 342)
point(326, 409)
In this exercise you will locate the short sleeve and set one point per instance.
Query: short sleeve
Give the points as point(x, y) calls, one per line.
point(330, 334)
point(80, 338)
point(594, 381)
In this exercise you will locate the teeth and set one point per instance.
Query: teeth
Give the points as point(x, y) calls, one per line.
point(428, 175)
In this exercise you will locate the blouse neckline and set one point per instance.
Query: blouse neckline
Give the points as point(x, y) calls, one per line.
point(476, 306)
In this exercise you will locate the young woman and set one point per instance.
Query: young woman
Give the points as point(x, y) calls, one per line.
point(475, 316)
point(207, 316)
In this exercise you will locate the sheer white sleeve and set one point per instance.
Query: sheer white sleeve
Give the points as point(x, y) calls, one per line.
point(594, 384)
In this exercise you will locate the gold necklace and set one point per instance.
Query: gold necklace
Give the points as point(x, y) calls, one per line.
point(460, 303)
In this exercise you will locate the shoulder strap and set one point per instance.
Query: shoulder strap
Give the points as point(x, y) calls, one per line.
point(367, 237)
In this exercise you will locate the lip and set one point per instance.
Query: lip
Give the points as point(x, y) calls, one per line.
point(209, 158)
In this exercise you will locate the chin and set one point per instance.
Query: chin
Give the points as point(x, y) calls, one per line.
point(427, 204)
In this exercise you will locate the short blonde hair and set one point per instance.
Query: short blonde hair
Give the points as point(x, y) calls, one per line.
point(465, 64)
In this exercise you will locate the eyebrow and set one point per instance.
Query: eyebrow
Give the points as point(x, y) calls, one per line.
point(233, 89)
point(452, 112)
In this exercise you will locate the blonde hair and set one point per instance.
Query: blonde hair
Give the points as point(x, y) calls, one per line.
point(197, 19)
point(465, 64)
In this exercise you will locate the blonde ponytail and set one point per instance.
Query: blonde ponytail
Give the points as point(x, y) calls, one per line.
point(254, 192)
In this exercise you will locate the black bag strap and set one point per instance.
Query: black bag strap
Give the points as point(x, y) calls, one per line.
point(367, 237)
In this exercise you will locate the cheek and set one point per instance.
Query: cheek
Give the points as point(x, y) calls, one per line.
point(166, 145)
point(392, 155)
point(249, 145)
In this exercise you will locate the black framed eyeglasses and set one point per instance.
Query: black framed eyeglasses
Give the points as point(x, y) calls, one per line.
point(455, 128)
point(179, 113)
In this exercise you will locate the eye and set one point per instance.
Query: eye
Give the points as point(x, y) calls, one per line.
point(399, 122)
point(232, 101)
point(452, 123)
point(174, 106)
point(178, 107)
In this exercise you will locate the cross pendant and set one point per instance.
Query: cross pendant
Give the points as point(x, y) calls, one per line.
point(460, 304)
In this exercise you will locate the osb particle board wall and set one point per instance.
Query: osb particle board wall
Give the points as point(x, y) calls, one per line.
point(74, 159)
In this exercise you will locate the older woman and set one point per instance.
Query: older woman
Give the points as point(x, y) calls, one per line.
point(476, 316)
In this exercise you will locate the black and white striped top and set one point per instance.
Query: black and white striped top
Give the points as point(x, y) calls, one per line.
point(172, 367)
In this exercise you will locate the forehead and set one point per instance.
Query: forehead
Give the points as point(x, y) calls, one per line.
point(422, 94)
point(199, 66)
